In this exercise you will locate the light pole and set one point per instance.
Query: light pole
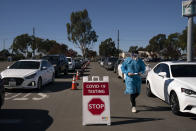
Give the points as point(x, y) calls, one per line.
point(189, 10)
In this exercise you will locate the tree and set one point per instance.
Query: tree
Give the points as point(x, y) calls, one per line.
point(133, 49)
point(183, 38)
point(157, 43)
point(71, 53)
point(107, 48)
point(21, 44)
point(172, 46)
point(91, 53)
point(80, 31)
point(4, 54)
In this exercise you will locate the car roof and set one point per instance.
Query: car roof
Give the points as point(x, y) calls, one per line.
point(38, 60)
point(178, 63)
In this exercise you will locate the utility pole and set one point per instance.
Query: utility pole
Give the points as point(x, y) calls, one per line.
point(190, 39)
point(4, 44)
point(118, 41)
point(34, 43)
point(189, 10)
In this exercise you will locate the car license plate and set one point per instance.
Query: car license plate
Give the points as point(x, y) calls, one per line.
point(12, 83)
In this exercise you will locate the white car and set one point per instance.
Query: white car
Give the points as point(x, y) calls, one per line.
point(174, 83)
point(119, 73)
point(123, 76)
point(71, 63)
point(28, 74)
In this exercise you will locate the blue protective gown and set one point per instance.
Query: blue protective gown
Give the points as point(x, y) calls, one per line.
point(133, 83)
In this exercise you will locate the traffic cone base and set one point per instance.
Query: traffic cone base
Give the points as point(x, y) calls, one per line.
point(74, 85)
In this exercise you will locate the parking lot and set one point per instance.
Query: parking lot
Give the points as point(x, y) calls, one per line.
point(57, 107)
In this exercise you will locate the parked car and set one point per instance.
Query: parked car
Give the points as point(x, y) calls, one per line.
point(116, 64)
point(28, 74)
point(174, 83)
point(78, 63)
point(109, 63)
point(102, 61)
point(2, 92)
point(71, 64)
point(119, 71)
point(59, 62)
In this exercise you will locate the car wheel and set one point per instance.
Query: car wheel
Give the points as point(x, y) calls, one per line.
point(174, 103)
point(148, 90)
point(39, 83)
point(57, 73)
point(118, 75)
point(65, 72)
point(1, 101)
point(114, 70)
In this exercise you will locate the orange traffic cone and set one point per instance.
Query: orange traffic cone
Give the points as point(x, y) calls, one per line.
point(77, 75)
point(74, 85)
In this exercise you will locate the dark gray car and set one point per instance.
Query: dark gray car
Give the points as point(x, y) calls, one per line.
point(109, 63)
point(59, 62)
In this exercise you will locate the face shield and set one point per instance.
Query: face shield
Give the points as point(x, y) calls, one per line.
point(135, 56)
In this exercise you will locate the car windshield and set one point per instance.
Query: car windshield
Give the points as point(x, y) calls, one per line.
point(52, 59)
point(113, 59)
point(69, 59)
point(183, 70)
point(25, 65)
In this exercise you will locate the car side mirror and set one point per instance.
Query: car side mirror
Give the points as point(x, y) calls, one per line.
point(44, 68)
point(162, 74)
point(8, 67)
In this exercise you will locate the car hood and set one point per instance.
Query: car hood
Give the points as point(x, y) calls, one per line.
point(189, 82)
point(17, 72)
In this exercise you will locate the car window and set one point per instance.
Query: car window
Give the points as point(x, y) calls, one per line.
point(52, 59)
point(44, 64)
point(48, 64)
point(157, 69)
point(184, 70)
point(165, 68)
point(26, 65)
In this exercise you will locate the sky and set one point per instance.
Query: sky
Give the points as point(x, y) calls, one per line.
point(137, 20)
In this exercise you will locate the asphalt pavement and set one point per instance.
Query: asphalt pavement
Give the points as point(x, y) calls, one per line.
point(58, 108)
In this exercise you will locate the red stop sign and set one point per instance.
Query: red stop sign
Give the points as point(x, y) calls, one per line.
point(96, 106)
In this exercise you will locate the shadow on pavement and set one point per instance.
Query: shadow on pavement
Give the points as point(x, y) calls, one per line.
point(191, 116)
point(68, 76)
point(24, 120)
point(129, 120)
point(158, 108)
point(55, 87)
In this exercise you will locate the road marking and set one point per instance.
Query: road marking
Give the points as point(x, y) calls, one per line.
point(43, 96)
point(6, 94)
point(23, 98)
point(13, 96)
point(10, 121)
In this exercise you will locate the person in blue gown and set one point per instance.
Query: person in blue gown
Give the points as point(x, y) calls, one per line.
point(133, 67)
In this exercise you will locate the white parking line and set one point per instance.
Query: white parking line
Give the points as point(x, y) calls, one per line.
point(23, 98)
point(43, 96)
point(6, 94)
point(13, 96)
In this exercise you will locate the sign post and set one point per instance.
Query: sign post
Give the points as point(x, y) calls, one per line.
point(189, 10)
point(96, 101)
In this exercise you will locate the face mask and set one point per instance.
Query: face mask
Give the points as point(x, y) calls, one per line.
point(135, 57)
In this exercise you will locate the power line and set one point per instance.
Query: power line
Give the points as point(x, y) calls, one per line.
point(118, 40)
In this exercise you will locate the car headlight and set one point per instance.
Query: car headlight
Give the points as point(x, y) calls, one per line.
point(109, 63)
point(188, 91)
point(31, 76)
